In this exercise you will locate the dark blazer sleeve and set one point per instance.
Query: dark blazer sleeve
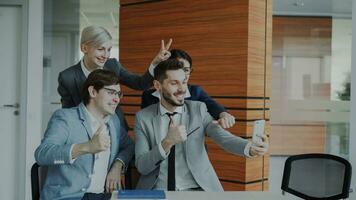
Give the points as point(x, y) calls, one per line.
point(148, 99)
point(66, 97)
point(198, 94)
point(127, 147)
point(130, 79)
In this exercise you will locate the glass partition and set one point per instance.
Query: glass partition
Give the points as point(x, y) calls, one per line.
point(311, 67)
point(63, 22)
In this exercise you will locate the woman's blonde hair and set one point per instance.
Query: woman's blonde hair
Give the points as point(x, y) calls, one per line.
point(95, 36)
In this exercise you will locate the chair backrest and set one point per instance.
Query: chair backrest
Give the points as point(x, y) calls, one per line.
point(131, 176)
point(317, 176)
point(38, 175)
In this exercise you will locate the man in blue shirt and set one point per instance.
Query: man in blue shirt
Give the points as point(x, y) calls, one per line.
point(85, 148)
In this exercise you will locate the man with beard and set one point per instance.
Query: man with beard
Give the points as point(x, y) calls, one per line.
point(169, 135)
point(194, 93)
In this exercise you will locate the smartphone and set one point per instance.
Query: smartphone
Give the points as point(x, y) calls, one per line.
point(258, 130)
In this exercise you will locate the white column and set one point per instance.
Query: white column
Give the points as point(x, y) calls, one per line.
point(33, 55)
point(352, 140)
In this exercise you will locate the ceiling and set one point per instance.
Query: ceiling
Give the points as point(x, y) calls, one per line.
point(334, 8)
point(105, 12)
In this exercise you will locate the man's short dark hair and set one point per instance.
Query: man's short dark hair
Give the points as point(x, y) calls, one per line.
point(177, 53)
point(161, 69)
point(98, 79)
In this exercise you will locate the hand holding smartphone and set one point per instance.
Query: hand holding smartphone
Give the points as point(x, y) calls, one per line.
point(258, 130)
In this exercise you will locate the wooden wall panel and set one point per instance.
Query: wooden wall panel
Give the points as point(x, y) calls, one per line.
point(233, 186)
point(219, 40)
point(311, 35)
point(256, 48)
point(228, 42)
point(291, 139)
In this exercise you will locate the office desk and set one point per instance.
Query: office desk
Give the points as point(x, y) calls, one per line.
point(228, 196)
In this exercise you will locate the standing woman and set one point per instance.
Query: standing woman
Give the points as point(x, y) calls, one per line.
point(96, 44)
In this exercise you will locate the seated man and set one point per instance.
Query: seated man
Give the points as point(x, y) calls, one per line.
point(194, 92)
point(175, 129)
point(85, 148)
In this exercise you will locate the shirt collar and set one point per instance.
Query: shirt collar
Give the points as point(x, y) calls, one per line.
point(156, 94)
point(84, 69)
point(163, 110)
point(94, 120)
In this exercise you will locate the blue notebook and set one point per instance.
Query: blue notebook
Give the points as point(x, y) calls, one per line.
point(141, 194)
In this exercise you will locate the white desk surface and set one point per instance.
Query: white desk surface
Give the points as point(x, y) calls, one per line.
point(228, 196)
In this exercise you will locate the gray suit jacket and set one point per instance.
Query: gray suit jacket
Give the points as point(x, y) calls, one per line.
point(67, 127)
point(71, 80)
point(148, 157)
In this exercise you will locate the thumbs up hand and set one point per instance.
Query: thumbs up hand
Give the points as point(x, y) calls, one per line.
point(100, 141)
point(176, 134)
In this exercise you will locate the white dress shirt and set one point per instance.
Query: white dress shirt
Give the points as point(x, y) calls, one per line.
point(84, 69)
point(101, 160)
point(184, 178)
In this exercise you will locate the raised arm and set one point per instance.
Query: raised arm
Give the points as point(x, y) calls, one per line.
point(225, 119)
point(143, 82)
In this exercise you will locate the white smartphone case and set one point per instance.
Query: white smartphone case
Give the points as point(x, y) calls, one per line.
point(258, 130)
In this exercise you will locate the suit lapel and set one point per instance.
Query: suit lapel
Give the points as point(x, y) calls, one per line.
point(186, 121)
point(156, 123)
point(85, 120)
point(79, 81)
point(113, 136)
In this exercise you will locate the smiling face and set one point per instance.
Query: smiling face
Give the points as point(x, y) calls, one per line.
point(172, 89)
point(96, 56)
point(106, 99)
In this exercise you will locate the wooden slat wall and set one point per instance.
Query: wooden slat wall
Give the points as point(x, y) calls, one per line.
point(229, 44)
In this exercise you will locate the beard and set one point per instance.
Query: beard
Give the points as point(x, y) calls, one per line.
point(169, 98)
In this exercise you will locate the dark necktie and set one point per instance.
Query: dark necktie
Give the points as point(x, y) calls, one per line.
point(171, 182)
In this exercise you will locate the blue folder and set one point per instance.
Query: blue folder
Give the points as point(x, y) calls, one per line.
point(141, 194)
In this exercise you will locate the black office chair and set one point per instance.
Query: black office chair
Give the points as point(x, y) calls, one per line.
point(35, 182)
point(317, 176)
point(38, 175)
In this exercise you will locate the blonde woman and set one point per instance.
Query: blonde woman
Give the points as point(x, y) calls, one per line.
point(96, 44)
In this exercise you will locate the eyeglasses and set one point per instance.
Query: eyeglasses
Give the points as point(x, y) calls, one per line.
point(114, 93)
point(187, 70)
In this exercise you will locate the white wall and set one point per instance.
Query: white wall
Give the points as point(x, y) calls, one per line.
point(32, 87)
point(353, 102)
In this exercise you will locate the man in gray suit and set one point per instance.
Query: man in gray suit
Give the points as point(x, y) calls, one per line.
point(85, 148)
point(169, 136)
point(96, 44)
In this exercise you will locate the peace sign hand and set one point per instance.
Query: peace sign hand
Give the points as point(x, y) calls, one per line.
point(163, 53)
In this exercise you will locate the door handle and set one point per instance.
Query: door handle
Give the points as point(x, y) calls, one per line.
point(16, 105)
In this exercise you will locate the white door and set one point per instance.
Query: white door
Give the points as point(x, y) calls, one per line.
point(10, 65)
point(57, 58)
